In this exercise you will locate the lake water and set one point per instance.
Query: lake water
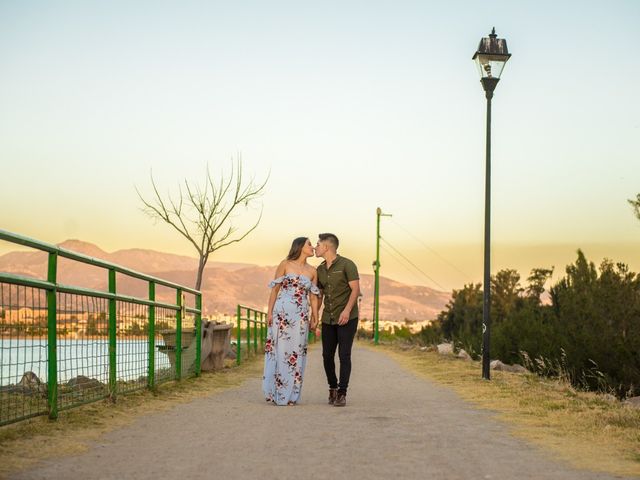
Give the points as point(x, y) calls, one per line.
point(76, 357)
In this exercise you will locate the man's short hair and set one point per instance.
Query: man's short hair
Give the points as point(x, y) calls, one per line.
point(331, 238)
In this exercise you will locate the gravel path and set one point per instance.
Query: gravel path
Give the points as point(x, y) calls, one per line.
point(395, 425)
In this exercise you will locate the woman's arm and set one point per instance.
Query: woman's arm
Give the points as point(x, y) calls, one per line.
point(314, 300)
point(274, 293)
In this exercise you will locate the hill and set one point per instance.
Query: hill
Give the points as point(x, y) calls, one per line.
point(224, 284)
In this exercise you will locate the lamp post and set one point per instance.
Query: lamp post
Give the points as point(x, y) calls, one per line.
point(491, 57)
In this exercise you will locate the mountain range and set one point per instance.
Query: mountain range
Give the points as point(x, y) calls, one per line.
point(224, 284)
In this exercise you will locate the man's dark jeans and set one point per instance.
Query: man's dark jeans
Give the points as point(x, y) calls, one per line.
point(340, 337)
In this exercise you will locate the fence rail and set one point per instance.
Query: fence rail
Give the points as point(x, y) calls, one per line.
point(65, 345)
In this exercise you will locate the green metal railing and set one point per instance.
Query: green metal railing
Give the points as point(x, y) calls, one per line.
point(65, 345)
point(255, 320)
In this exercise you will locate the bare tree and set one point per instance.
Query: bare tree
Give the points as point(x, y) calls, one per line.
point(204, 214)
point(636, 206)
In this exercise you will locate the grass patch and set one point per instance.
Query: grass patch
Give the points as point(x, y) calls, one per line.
point(590, 431)
point(24, 444)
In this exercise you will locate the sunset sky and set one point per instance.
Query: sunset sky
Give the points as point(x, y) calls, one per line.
point(348, 106)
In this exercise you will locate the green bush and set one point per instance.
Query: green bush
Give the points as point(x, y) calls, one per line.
point(589, 333)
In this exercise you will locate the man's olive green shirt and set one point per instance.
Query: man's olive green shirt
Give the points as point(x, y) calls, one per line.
point(334, 283)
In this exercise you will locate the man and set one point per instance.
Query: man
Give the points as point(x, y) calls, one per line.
point(339, 284)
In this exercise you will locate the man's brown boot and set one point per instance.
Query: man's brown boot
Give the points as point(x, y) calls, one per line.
point(341, 400)
point(333, 394)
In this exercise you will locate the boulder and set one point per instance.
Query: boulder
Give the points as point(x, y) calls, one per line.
point(445, 349)
point(607, 397)
point(29, 384)
point(503, 367)
point(496, 365)
point(463, 355)
point(29, 380)
point(84, 383)
point(633, 402)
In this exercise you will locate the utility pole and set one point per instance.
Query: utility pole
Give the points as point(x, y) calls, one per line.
point(376, 286)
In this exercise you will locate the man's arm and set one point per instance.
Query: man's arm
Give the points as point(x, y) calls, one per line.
point(353, 298)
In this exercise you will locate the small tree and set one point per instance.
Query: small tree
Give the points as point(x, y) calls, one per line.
point(636, 206)
point(204, 214)
point(537, 280)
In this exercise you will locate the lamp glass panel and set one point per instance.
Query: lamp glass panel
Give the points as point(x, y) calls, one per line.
point(491, 65)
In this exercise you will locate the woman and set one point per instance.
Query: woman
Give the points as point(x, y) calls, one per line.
point(288, 323)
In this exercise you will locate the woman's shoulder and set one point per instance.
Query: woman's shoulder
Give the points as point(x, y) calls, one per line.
point(281, 268)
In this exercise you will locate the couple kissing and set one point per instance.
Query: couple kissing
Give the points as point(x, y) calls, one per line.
point(298, 291)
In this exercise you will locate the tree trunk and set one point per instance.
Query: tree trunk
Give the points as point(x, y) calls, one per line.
point(201, 265)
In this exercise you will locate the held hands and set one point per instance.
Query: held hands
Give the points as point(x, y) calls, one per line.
point(314, 325)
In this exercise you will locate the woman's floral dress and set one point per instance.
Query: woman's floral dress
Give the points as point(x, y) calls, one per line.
point(285, 353)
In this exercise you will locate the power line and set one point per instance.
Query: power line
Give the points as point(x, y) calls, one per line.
point(466, 275)
point(413, 264)
point(390, 253)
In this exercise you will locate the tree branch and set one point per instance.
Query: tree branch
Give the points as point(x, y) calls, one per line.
point(213, 208)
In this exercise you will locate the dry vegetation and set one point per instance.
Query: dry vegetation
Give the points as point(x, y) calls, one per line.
point(26, 443)
point(588, 430)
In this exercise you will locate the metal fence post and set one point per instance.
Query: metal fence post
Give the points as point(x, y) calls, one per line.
point(198, 333)
point(255, 331)
point(151, 375)
point(52, 339)
point(112, 335)
point(179, 302)
point(238, 336)
point(248, 332)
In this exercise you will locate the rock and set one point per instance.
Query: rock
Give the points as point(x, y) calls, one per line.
point(423, 349)
point(496, 365)
point(503, 367)
point(29, 384)
point(84, 383)
point(607, 397)
point(633, 402)
point(445, 349)
point(29, 380)
point(515, 368)
point(463, 355)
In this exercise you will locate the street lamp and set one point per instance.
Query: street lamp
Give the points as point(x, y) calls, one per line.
point(491, 57)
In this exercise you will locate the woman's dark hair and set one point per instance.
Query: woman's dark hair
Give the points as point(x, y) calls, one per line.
point(296, 248)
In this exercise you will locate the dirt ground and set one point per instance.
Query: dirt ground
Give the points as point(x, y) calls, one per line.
point(395, 425)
